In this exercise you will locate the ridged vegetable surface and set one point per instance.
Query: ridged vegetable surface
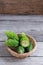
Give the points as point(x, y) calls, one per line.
point(20, 50)
point(11, 35)
point(24, 40)
point(18, 43)
point(12, 43)
point(30, 47)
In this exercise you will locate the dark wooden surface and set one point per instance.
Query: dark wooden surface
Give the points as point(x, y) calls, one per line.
point(21, 6)
point(32, 25)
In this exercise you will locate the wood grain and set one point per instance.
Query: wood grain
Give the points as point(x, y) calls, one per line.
point(26, 61)
point(36, 58)
point(32, 25)
point(21, 6)
point(36, 18)
point(37, 53)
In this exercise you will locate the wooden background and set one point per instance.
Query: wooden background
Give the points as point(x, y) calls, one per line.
point(21, 6)
point(30, 24)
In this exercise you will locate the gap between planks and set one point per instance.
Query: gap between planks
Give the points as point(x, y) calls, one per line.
point(25, 61)
point(32, 28)
point(37, 53)
point(35, 59)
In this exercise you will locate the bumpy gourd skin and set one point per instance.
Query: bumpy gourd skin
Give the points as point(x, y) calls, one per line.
point(12, 43)
point(22, 34)
point(30, 47)
point(20, 50)
point(24, 41)
point(11, 35)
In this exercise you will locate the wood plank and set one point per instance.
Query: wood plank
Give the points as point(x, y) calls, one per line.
point(37, 53)
point(21, 17)
point(26, 61)
point(21, 6)
point(32, 27)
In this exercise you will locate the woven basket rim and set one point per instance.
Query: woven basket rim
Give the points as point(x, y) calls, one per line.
point(24, 54)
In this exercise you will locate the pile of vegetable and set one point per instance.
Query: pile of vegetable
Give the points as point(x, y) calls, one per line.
point(20, 44)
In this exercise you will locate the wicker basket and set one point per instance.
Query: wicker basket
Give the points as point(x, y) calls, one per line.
point(13, 53)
